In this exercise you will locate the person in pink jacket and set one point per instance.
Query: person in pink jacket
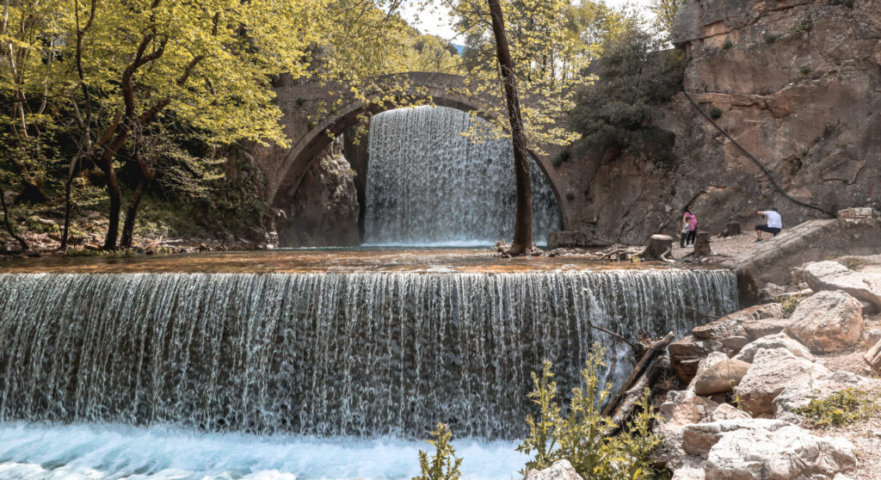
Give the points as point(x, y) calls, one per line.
point(689, 229)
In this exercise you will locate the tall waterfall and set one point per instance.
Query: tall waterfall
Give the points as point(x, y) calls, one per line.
point(429, 184)
point(364, 354)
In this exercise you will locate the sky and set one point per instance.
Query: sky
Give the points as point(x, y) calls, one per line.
point(436, 23)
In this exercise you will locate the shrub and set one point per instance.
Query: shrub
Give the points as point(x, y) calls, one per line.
point(715, 113)
point(840, 408)
point(790, 304)
point(635, 77)
point(803, 27)
point(853, 263)
point(771, 38)
point(727, 44)
point(300, 101)
point(444, 465)
point(579, 436)
point(805, 70)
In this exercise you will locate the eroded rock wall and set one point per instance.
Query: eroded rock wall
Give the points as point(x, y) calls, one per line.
point(324, 210)
point(797, 83)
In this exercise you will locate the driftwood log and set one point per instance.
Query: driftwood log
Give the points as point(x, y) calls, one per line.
point(702, 245)
point(641, 369)
point(659, 247)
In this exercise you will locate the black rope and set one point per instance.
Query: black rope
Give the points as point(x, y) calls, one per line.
point(755, 160)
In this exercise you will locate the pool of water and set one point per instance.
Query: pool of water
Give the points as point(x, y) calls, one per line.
point(40, 452)
point(323, 260)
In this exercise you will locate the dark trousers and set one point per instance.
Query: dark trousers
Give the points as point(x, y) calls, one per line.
point(765, 228)
point(687, 238)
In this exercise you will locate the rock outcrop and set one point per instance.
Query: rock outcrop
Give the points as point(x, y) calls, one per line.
point(771, 372)
point(863, 281)
point(795, 82)
point(325, 209)
point(827, 321)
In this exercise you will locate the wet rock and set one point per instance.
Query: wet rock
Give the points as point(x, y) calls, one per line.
point(827, 321)
point(863, 284)
point(687, 353)
point(771, 372)
point(787, 452)
point(721, 377)
point(560, 470)
point(779, 340)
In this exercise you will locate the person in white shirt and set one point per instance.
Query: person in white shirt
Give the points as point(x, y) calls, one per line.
point(773, 224)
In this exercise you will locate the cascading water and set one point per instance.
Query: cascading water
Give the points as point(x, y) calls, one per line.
point(429, 184)
point(360, 354)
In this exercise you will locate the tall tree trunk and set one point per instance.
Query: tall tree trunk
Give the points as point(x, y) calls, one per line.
point(523, 224)
point(115, 205)
point(128, 229)
point(21, 241)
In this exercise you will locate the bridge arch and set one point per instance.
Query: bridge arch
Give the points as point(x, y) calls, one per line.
point(443, 90)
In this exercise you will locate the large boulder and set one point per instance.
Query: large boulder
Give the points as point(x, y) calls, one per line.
point(699, 439)
point(771, 372)
point(863, 282)
point(687, 353)
point(721, 377)
point(779, 340)
point(765, 327)
point(560, 470)
point(782, 453)
point(733, 324)
point(800, 394)
point(827, 321)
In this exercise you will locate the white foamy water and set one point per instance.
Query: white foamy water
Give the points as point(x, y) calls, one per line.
point(78, 452)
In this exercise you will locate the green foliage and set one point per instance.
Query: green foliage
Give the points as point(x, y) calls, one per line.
point(444, 465)
point(715, 113)
point(802, 27)
point(636, 76)
point(665, 12)
point(562, 157)
point(840, 408)
point(805, 70)
point(789, 305)
point(579, 435)
point(771, 38)
point(727, 44)
point(853, 263)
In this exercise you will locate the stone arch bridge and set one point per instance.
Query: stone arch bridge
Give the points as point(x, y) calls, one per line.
point(285, 168)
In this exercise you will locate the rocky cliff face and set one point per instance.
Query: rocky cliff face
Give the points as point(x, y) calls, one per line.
point(324, 211)
point(797, 83)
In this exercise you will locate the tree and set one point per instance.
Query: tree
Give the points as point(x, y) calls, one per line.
point(635, 77)
point(665, 13)
point(207, 62)
point(523, 224)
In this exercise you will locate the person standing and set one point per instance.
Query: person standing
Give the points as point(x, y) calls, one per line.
point(773, 224)
point(689, 229)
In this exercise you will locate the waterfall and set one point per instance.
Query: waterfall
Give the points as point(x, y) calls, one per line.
point(429, 184)
point(360, 354)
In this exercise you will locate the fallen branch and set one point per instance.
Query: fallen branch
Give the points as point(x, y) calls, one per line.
point(641, 366)
point(632, 397)
point(616, 335)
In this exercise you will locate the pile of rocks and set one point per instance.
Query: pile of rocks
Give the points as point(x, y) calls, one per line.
point(767, 363)
point(749, 373)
